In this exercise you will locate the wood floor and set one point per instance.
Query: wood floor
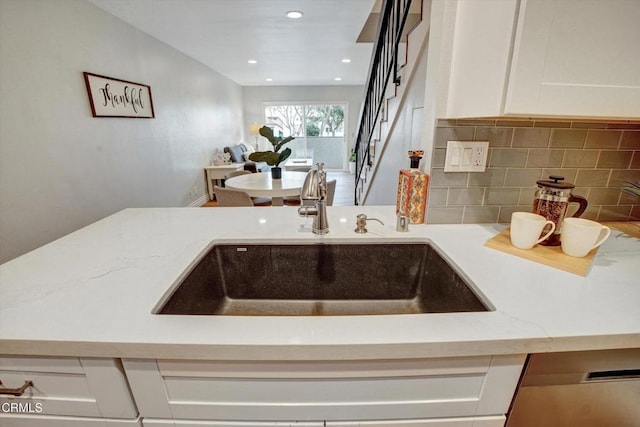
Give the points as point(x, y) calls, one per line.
point(345, 186)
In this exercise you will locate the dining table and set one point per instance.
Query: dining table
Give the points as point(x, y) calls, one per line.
point(261, 184)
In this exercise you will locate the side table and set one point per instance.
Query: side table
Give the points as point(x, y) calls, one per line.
point(217, 173)
point(301, 165)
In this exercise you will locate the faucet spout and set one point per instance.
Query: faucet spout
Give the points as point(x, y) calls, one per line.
point(314, 191)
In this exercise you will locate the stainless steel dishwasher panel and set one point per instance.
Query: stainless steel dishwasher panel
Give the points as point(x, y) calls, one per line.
point(585, 388)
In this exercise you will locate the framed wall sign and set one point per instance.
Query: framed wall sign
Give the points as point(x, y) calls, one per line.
point(111, 97)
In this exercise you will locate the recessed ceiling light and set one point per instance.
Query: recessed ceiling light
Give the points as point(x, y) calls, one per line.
point(269, 80)
point(252, 61)
point(294, 14)
point(346, 60)
point(338, 78)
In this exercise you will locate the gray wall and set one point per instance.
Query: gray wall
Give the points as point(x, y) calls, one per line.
point(596, 156)
point(60, 168)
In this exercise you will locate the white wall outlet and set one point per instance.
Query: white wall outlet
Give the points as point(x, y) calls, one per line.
point(466, 156)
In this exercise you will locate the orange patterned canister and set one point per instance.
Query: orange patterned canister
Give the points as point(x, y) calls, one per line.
point(412, 194)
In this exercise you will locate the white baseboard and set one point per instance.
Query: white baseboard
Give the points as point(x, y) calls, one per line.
point(199, 201)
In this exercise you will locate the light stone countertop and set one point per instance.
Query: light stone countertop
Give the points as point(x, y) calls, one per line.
point(91, 294)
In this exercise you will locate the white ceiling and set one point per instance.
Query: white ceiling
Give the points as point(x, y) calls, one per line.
point(225, 34)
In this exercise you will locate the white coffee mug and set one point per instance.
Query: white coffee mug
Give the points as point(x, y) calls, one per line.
point(580, 235)
point(526, 228)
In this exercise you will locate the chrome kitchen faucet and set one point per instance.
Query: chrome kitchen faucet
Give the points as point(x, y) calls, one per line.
point(314, 190)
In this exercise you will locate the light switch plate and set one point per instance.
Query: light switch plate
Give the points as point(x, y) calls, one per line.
point(466, 156)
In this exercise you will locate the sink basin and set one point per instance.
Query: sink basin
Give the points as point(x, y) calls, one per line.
point(320, 279)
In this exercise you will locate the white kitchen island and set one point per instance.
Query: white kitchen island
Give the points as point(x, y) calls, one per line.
point(90, 295)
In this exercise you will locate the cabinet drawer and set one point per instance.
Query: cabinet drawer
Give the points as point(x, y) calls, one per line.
point(91, 387)
point(496, 421)
point(150, 422)
point(59, 421)
point(333, 391)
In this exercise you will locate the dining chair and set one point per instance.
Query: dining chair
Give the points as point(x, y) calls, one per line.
point(331, 191)
point(257, 201)
point(227, 197)
point(236, 173)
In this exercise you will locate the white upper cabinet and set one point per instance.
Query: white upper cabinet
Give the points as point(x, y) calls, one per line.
point(576, 57)
point(545, 58)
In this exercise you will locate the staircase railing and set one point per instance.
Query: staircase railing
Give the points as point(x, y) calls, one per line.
point(384, 65)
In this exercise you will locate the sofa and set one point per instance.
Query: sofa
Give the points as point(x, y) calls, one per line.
point(240, 154)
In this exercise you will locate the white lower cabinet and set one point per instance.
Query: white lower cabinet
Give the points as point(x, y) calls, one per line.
point(497, 421)
point(65, 391)
point(150, 422)
point(452, 392)
point(56, 421)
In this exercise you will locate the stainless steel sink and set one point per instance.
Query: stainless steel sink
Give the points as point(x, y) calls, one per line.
point(326, 279)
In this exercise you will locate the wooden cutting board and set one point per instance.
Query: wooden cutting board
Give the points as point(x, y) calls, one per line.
point(551, 256)
point(632, 228)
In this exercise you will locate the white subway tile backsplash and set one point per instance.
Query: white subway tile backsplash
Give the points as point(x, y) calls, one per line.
point(544, 157)
point(568, 138)
point(580, 158)
point(438, 197)
point(604, 196)
point(597, 156)
point(465, 196)
point(440, 215)
point(603, 139)
point(592, 178)
point(442, 179)
point(531, 138)
point(630, 140)
point(453, 134)
point(501, 196)
point(614, 159)
point(497, 137)
point(480, 214)
point(492, 177)
point(507, 157)
point(522, 177)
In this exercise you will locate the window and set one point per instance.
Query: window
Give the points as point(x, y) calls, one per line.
point(317, 127)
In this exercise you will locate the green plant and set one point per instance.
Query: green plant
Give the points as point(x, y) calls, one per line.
point(275, 157)
point(634, 189)
point(352, 157)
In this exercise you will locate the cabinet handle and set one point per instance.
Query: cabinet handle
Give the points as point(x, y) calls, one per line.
point(19, 391)
point(621, 374)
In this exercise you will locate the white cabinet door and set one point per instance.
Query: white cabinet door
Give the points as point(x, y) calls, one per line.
point(482, 34)
point(329, 390)
point(10, 420)
point(88, 387)
point(496, 421)
point(576, 58)
point(150, 422)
